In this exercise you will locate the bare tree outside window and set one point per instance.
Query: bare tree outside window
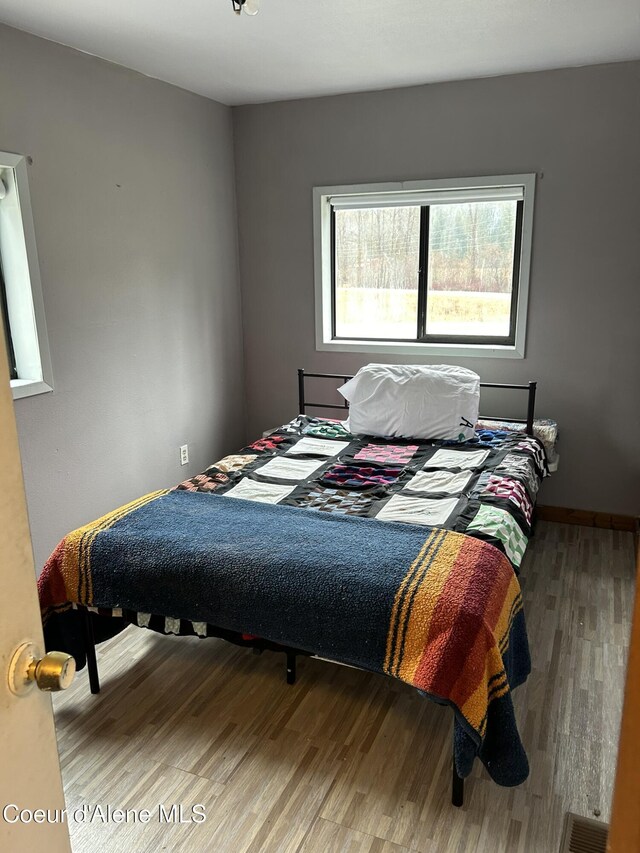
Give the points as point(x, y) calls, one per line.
point(376, 266)
point(471, 249)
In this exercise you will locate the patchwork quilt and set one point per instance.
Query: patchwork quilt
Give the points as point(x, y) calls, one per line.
point(377, 574)
point(485, 487)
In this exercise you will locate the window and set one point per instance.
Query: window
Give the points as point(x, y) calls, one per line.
point(11, 355)
point(428, 267)
point(21, 302)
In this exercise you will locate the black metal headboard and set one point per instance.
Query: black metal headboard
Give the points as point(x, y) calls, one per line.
point(530, 387)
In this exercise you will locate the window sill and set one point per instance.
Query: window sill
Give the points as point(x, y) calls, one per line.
point(457, 350)
point(28, 388)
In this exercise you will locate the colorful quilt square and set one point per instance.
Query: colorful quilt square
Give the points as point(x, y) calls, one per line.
point(341, 501)
point(235, 463)
point(360, 476)
point(207, 482)
point(410, 510)
point(511, 490)
point(387, 454)
point(502, 525)
point(491, 437)
point(328, 429)
point(269, 443)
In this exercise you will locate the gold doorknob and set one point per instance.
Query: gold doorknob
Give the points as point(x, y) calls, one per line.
point(54, 671)
point(51, 672)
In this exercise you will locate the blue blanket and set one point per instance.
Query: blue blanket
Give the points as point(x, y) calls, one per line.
point(437, 609)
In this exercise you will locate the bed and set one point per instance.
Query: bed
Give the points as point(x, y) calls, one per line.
point(405, 562)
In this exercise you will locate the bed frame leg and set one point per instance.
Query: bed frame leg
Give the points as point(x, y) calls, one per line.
point(291, 668)
point(457, 787)
point(90, 650)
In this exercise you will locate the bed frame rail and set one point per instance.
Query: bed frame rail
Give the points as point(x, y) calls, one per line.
point(530, 388)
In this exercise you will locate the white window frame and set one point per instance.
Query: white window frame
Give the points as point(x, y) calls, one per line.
point(22, 282)
point(322, 261)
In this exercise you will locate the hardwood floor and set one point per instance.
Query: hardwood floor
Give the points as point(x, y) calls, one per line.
point(344, 760)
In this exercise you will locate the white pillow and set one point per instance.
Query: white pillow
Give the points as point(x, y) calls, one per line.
point(413, 401)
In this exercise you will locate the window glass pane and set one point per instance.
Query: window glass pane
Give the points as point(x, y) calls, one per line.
point(470, 278)
point(376, 272)
point(4, 312)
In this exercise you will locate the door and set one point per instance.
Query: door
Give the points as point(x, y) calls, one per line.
point(624, 836)
point(29, 768)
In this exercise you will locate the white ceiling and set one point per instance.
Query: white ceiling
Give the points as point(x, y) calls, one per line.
point(299, 48)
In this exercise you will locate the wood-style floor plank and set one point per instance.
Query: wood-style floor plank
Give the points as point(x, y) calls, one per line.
point(345, 760)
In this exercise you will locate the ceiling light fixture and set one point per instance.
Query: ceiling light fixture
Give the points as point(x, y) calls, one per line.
point(249, 7)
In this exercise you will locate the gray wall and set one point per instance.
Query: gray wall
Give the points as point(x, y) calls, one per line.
point(132, 186)
point(581, 128)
